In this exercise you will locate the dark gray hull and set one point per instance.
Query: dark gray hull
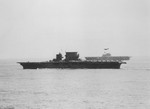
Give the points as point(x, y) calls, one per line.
point(108, 58)
point(71, 65)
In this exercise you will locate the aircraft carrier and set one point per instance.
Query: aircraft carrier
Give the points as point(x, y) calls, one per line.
point(73, 61)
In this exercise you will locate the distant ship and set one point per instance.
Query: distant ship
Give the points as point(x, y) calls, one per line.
point(108, 57)
point(73, 61)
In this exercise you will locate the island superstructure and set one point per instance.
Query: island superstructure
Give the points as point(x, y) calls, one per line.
point(73, 61)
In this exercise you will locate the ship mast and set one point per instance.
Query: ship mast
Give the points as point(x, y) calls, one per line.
point(105, 49)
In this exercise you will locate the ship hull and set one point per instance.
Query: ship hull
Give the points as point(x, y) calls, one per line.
point(108, 58)
point(71, 65)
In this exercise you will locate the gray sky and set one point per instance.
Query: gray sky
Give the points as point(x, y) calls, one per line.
point(42, 28)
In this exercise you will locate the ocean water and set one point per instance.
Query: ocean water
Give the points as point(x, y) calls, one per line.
point(125, 88)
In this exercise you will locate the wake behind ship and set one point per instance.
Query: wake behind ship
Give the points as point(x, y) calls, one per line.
point(73, 61)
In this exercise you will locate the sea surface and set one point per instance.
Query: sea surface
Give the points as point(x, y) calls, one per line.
point(125, 88)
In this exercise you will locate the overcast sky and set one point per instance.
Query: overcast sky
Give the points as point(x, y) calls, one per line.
point(42, 28)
